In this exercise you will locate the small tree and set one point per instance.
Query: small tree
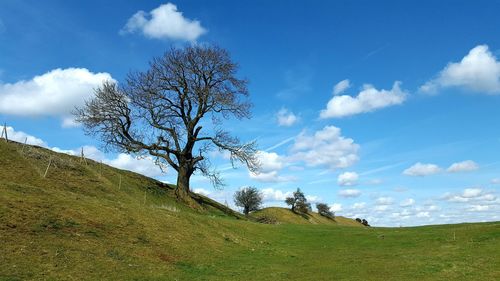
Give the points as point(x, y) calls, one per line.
point(249, 198)
point(298, 202)
point(324, 210)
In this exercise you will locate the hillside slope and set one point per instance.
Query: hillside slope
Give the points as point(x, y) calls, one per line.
point(79, 223)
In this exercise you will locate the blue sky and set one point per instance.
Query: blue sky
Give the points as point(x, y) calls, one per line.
point(386, 110)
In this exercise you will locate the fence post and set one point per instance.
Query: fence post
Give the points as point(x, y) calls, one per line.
point(47, 170)
point(4, 132)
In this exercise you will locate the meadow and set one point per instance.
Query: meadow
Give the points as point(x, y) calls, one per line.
point(82, 220)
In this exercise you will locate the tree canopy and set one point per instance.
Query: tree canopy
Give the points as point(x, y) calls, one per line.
point(173, 112)
point(249, 198)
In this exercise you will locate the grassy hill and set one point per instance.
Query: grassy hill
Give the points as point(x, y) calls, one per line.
point(282, 215)
point(93, 222)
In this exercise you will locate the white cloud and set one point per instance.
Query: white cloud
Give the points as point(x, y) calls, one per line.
point(407, 202)
point(164, 22)
point(272, 176)
point(270, 194)
point(22, 137)
point(384, 201)
point(326, 147)
point(421, 170)
point(144, 166)
point(286, 118)
point(464, 166)
point(348, 179)
point(313, 198)
point(495, 181)
point(368, 100)
point(341, 87)
point(478, 208)
point(478, 71)
point(270, 164)
point(336, 207)
point(54, 93)
point(470, 194)
point(423, 215)
point(349, 193)
point(202, 191)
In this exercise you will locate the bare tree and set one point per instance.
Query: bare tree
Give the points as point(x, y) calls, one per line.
point(249, 198)
point(174, 112)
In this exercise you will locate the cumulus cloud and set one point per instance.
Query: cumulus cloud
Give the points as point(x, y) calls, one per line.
point(348, 179)
point(144, 165)
point(478, 208)
point(270, 165)
point(420, 170)
point(326, 147)
point(341, 87)
point(407, 202)
point(469, 195)
point(164, 22)
point(22, 137)
point(368, 100)
point(336, 207)
point(271, 194)
point(349, 193)
point(54, 93)
point(286, 118)
point(478, 71)
point(202, 191)
point(464, 166)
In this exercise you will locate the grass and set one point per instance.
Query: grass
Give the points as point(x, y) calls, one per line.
point(77, 224)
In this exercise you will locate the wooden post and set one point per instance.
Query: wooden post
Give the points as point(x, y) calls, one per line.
point(454, 236)
point(47, 170)
point(100, 168)
point(144, 197)
point(4, 132)
point(120, 183)
point(24, 145)
point(82, 158)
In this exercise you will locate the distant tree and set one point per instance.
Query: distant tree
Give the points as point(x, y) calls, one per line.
point(359, 220)
point(173, 112)
point(248, 198)
point(365, 222)
point(324, 210)
point(298, 202)
point(303, 207)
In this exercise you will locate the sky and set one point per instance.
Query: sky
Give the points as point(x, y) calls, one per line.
point(385, 110)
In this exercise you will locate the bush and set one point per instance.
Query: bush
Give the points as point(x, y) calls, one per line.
point(324, 210)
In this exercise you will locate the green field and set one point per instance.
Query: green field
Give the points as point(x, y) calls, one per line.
point(80, 223)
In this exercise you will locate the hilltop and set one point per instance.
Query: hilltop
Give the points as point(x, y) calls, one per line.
point(282, 215)
point(82, 220)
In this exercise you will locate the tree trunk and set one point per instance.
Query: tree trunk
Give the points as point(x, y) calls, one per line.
point(182, 189)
